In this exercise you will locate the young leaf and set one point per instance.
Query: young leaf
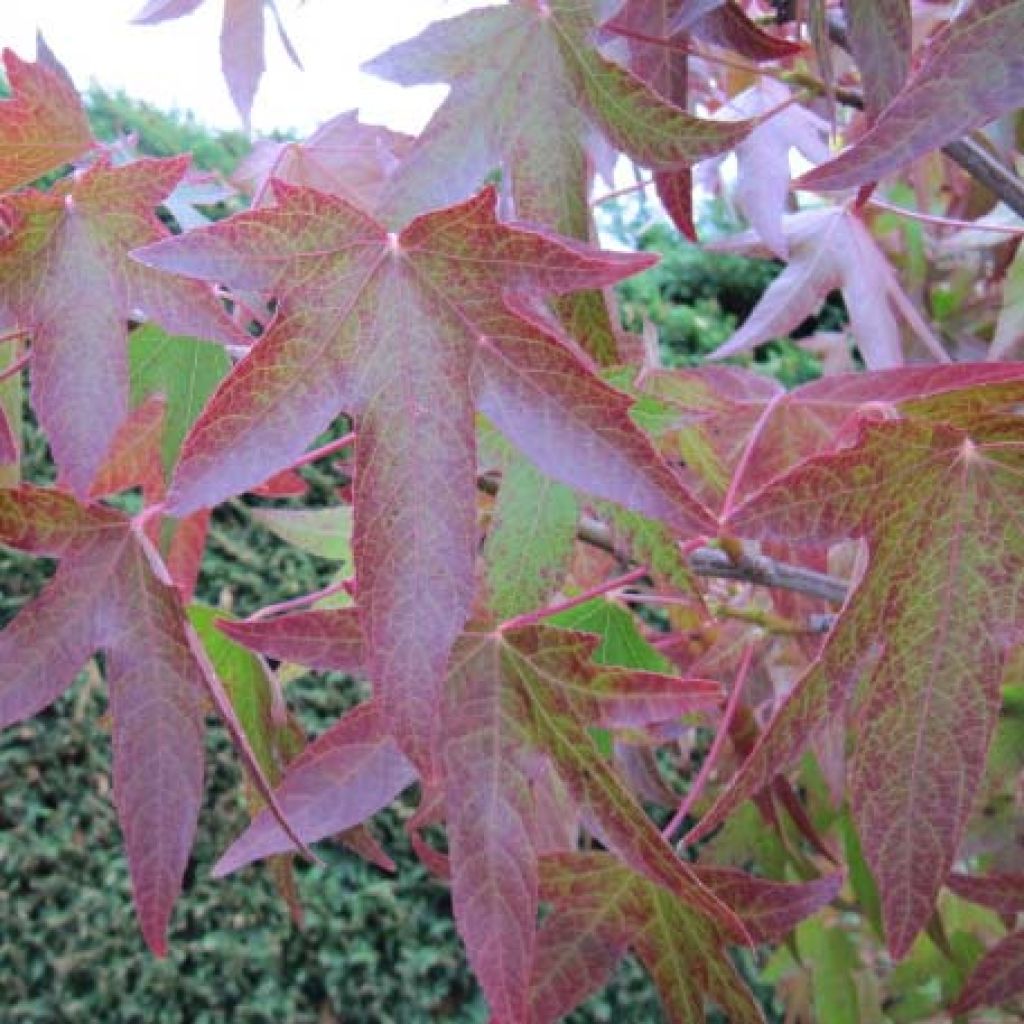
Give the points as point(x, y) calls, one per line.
point(915, 659)
point(241, 42)
point(66, 278)
point(109, 595)
point(973, 72)
point(341, 341)
point(343, 157)
point(830, 248)
point(603, 909)
point(43, 124)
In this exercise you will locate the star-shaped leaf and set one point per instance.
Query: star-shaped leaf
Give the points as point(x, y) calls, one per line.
point(410, 333)
point(241, 41)
point(65, 277)
point(43, 124)
point(914, 662)
point(109, 595)
point(830, 248)
point(973, 72)
point(603, 909)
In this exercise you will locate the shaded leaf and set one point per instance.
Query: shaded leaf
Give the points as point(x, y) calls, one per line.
point(998, 978)
point(881, 39)
point(973, 72)
point(326, 532)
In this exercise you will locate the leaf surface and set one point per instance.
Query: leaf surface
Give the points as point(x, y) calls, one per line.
point(65, 277)
point(998, 978)
point(914, 662)
point(973, 72)
point(830, 248)
point(108, 595)
point(603, 909)
point(881, 39)
point(410, 333)
point(43, 124)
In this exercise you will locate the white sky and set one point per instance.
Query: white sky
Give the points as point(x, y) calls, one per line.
point(176, 64)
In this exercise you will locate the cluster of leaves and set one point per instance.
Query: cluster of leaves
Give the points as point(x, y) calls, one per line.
point(558, 558)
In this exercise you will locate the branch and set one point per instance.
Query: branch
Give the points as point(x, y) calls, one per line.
point(972, 157)
point(709, 562)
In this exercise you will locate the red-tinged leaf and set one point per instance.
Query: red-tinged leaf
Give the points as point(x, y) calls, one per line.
point(830, 248)
point(763, 157)
point(527, 82)
point(343, 157)
point(65, 277)
point(447, 275)
point(241, 42)
point(998, 978)
point(344, 777)
point(43, 124)
point(728, 26)
point(110, 595)
point(1003, 893)
point(973, 72)
point(511, 697)
point(603, 909)
point(881, 38)
point(914, 662)
point(286, 484)
point(320, 639)
point(134, 456)
point(737, 430)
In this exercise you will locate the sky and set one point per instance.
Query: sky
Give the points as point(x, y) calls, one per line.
point(176, 65)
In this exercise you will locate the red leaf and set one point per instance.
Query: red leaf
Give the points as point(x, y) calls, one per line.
point(109, 594)
point(914, 662)
point(973, 72)
point(448, 276)
point(43, 125)
point(998, 978)
point(65, 277)
point(1003, 893)
point(881, 38)
point(341, 779)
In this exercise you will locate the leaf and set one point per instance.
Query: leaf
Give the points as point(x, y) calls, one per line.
point(184, 370)
point(536, 130)
point(1003, 893)
point(881, 39)
point(8, 442)
point(830, 248)
point(65, 277)
point(914, 662)
point(998, 978)
point(1008, 340)
point(972, 73)
point(241, 42)
point(43, 124)
point(109, 595)
point(509, 696)
point(762, 179)
point(326, 532)
point(343, 157)
point(602, 909)
point(341, 341)
point(530, 541)
point(342, 778)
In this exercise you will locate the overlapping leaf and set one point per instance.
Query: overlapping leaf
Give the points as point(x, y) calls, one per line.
point(914, 662)
point(109, 595)
point(603, 909)
point(43, 124)
point(241, 41)
point(973, 72)
point(830, 248)
point(998, 978)
point(408, 333)
point(881, 38)
point(65, 278)
point(343, 156)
